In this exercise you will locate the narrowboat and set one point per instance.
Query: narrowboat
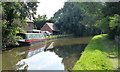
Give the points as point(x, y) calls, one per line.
point(30, 38)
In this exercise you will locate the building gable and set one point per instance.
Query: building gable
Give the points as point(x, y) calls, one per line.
point(49, 27)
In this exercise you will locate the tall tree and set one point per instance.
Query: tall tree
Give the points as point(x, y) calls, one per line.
point(92, 12)
point(68, 19)
point(111, 13)
point(79, 18)
point(14, 16)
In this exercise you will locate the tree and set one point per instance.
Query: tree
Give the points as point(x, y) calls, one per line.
point(14, 16)
point(98, 16)
point(111, 13)
point(68, 19)
point(92, 12)
point(79, 18)
point(89, 18)
point(111, 8)
point(114, 26)
point(40, 21)
point(103, 24)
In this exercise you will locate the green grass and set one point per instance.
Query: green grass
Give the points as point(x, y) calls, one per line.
point(54, 36)
point(100, 54)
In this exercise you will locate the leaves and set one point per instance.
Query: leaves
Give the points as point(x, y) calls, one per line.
point(40, 21)
point(115, 21)
point(68, 19)
point(14, 16)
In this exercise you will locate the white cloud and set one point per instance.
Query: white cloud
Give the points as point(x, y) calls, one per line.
point(49, 7)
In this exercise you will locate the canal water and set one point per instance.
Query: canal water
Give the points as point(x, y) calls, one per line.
point(55, 54)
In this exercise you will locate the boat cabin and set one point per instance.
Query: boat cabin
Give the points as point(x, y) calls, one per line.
point(34, 31)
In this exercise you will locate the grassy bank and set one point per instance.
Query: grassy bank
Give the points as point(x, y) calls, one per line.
point(100, 54)
point(55, 36)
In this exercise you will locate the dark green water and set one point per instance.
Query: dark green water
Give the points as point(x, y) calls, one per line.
point(56, 54)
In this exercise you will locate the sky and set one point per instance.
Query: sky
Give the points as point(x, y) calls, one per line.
point(49, 7)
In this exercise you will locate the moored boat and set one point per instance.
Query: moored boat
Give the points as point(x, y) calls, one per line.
point(30, 38)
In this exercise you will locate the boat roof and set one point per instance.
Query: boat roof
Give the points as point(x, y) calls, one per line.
point(29, 33)
point(34, 30)
point(32, 33)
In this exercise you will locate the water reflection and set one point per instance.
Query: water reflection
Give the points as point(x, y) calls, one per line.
point(69, 53)
point(33, 51)
point(46, 61)
point(57, 54)
point(10, 58)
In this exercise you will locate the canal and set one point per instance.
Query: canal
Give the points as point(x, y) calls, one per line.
point(55, 54)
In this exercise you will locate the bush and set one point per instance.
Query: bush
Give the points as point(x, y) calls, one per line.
point(114, 25)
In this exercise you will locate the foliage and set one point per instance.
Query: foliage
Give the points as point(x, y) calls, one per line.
point(115, 21)
point(112, 14)
point(92, 12)
point(19, 10)
point(68, 19)
point(97, 54)
point(9, 35)
point(103, 24)
point(111, 8)
point(41, 20)
point(114, 25)
point(97, 15)
point(110, 22)
point(78, 18)
point(88, 18)
point(14, 16)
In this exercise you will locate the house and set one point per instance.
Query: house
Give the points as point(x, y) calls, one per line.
point(50, 27)
point(30, 26)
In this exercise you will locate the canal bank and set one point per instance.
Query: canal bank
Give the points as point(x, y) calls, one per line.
point(100, 54)
point(56, 36)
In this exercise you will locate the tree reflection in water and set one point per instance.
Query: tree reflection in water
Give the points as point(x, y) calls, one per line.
point(69, 53)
